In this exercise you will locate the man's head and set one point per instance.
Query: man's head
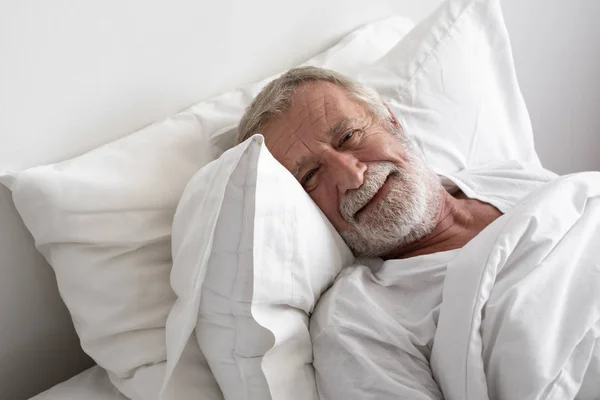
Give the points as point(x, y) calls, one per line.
point(349, 153)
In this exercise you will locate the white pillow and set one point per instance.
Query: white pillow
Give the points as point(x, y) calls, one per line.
point(103, 222)
point(252, 255)
point(452, 85)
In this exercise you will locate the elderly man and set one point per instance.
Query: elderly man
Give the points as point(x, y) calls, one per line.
point(373, 331)
point(350, 154)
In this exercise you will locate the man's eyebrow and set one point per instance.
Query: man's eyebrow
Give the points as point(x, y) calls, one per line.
point(300, 164)
point(336, 130)
point(340, 127)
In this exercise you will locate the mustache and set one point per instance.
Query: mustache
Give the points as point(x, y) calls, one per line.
point(356, 199)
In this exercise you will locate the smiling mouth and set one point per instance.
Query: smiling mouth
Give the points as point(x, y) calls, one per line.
point(378, 195)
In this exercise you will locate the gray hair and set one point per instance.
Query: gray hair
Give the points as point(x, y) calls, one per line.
point(275, 98)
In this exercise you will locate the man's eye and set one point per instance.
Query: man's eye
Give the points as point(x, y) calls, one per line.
point(347, 137)
point(309, 175)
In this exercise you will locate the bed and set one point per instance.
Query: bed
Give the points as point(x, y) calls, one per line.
point(92, 383)
point(98, 72)
point(78, 76)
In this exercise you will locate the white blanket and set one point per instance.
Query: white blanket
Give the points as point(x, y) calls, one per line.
point(520, 317)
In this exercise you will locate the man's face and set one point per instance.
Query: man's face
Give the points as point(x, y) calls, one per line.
point(375, 190)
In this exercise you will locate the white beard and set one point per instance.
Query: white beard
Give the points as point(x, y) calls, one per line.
point(405, 214)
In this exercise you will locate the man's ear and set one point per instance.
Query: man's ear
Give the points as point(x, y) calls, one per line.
point(392, 116)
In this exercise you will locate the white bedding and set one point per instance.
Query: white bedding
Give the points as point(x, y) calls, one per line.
point(520, 316)
point(515, 314)
point(521, 312)
point(91, 384)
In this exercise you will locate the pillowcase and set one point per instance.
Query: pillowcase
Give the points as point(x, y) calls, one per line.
point(252, 255)
point(103, 222)
point(451, 83)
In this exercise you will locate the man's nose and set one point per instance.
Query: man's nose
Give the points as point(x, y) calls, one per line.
point(346, 171)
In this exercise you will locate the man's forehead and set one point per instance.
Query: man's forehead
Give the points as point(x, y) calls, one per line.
point(316, 107)
point(318, 95)
point(318, 111)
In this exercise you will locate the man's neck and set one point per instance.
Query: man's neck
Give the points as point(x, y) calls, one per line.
point(458, 220)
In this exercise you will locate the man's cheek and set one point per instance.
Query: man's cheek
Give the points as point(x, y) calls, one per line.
point(328, 205)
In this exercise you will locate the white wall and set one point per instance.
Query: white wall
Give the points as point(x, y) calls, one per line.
point(556, 46)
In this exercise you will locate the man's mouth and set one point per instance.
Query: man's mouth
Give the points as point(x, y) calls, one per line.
point(380, 194)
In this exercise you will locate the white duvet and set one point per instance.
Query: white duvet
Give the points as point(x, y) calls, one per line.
point(520, 316)
point(514, 314)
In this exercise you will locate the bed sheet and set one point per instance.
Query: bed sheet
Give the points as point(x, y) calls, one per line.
point(520, 317)
point(91, 384)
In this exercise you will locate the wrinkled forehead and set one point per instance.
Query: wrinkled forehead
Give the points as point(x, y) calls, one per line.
point(316, 109)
